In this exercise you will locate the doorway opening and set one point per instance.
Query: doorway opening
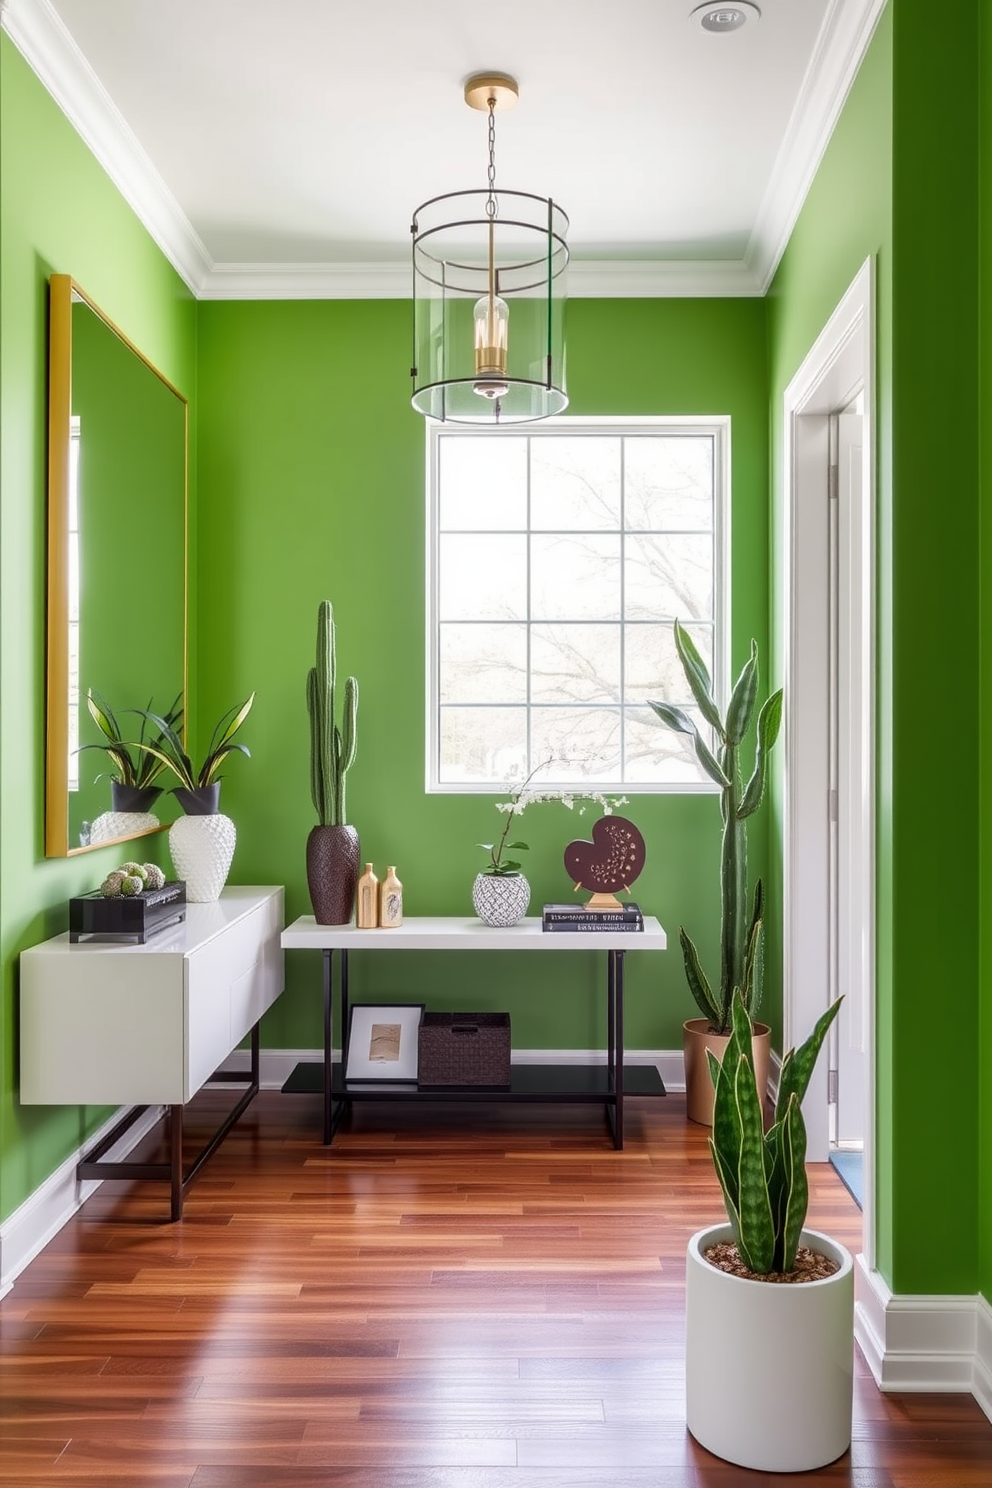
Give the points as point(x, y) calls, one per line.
point(828, 628)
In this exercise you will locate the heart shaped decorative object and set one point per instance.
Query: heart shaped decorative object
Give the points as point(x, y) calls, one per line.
point(611, 861)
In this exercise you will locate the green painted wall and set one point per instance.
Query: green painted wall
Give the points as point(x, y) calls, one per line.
point(899, 181)
point(985, 662)
point(312, 485)
point(59, 213)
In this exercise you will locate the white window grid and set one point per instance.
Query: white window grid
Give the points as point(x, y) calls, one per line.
point(718, 427)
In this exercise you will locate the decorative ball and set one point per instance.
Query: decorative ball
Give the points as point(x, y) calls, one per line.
point(154, 877)
point(131, 884)
point(135, 870)
point(111, 886)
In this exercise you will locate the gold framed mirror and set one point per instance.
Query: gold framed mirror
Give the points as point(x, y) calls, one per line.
point(117, 535)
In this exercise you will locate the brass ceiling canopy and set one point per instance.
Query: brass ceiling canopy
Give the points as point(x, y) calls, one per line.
point(483, 86)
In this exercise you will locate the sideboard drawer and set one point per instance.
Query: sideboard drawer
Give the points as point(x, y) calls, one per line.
point(118, 1023)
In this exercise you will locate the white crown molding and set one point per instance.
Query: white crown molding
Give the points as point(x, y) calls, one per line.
point(49, 50)
point(919, 1343)
point(587, 279)
point(844, 38)
point(38, 33)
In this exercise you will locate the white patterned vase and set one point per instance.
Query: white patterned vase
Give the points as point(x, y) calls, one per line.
point(500, 900)
point(111, 826)
point(202, 849)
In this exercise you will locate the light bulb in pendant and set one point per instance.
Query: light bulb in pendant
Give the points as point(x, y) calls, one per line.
point(491, 319)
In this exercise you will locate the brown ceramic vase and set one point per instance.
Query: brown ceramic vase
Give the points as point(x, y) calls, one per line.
point(332, 873)
point(697, 1037)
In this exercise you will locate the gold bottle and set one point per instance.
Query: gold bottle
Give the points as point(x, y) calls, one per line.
point(390, 901)
point(367, 900)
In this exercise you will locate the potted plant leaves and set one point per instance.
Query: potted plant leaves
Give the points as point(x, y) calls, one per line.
point(769, 1303)
point(198, 791)
point(203, 839)
point(741, 923)
point(136, 769)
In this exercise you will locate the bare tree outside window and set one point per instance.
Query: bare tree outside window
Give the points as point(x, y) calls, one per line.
point(560, 558)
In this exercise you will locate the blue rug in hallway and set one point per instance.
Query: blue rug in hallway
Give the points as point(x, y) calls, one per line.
point(848, 1166)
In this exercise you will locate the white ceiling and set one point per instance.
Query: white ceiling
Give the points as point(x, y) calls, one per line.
point(280, 148)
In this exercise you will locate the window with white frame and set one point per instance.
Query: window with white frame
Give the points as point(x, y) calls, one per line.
point(558, 560)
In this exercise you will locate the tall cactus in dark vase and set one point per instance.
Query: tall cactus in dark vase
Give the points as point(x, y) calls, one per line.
point(333, 848)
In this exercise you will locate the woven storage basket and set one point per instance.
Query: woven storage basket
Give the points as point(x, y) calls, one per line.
point(469, 1049)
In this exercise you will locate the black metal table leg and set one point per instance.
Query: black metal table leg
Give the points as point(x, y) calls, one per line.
point(176, 1160)
point(618, 1070)
point(328, 1026)
point(611, 1026)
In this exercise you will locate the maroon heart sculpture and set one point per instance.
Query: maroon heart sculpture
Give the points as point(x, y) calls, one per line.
point(611, 861)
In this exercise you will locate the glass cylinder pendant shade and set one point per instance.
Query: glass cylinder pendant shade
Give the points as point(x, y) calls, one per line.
point(489, 308)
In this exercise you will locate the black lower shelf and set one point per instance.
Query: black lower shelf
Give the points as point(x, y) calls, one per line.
point(528, 1082)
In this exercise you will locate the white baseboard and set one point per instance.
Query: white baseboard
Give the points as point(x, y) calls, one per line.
point(941, 1344)
point(276, 1065)
point(41, 1216)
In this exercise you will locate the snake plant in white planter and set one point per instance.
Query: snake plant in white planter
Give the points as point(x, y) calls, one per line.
point(769, 1304)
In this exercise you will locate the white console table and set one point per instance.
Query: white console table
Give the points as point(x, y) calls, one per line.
point(116, 1023)
point(603, 1084)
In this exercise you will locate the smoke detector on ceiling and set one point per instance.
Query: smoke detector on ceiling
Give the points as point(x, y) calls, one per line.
point(719, 19)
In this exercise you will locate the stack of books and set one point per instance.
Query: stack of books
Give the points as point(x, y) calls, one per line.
point(569, 917)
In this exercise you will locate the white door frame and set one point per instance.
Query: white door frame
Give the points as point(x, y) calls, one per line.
point(841, 362)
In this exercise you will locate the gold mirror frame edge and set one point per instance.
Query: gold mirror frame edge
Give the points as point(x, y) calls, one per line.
point(62, 290)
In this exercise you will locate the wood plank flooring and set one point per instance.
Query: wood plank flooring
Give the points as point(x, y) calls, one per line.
point(449, 1297)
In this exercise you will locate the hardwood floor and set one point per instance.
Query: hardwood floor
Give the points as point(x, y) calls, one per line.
point(449, 1297)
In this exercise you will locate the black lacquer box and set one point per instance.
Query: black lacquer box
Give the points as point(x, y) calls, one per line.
point(125, 918)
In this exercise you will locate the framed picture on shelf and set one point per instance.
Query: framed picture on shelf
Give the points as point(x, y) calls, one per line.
point(383, 1041)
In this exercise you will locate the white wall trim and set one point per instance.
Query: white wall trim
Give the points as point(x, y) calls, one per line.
point(45, 44)
point(587, 279)
point(924, 1343)
point(28, 1230)
point(841, 359)
point(39, 34)
point(844, 38)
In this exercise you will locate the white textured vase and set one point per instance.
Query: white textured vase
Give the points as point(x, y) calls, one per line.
point(202, 849)
point(500, 901)
point(788, 1350)
point(111, 826)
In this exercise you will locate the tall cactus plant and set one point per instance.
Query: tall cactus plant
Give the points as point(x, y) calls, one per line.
point(741, 931)
point(763, 1175)
point(332, 749)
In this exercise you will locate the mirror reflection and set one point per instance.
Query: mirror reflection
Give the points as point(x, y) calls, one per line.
point(117, 576)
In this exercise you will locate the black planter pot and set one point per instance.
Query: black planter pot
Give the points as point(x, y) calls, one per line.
point(204, 801)
point(332, 873)
point(133, 797)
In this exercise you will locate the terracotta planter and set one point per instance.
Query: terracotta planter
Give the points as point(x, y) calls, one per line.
point(332, 873)
point(785, 1353)
point(696, 1039)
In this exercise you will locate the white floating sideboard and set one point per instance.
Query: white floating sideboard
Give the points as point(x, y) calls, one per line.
point(115, 1023)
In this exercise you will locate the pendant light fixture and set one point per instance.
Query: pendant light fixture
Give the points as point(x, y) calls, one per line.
point(489, 294)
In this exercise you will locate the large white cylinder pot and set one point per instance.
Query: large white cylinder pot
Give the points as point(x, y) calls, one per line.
point(769, 1366)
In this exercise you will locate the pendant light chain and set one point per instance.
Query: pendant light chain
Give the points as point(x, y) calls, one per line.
point(491, 205)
